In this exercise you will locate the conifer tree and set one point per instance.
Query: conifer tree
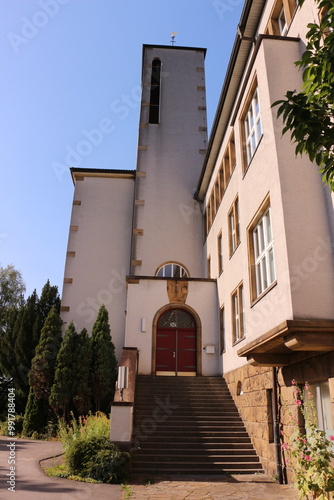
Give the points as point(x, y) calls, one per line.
point(82, 376)
point(41, 376)
point(49, 298)
point(36, 414)
point(104, 364)
point(63, 388)
point(24, 343)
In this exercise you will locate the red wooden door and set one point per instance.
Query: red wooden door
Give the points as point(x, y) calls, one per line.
point(176, 346)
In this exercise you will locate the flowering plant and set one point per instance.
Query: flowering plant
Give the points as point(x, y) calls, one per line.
point(310, 454)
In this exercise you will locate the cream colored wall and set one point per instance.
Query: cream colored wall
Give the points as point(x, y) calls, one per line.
point(102, 246)
point(171, 219)
point(303, 254)
point(148, 297)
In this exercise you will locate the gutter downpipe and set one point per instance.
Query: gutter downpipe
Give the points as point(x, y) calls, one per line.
point(276, 428)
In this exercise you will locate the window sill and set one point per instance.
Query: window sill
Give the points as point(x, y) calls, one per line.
point(238, 341)
point(267, 290)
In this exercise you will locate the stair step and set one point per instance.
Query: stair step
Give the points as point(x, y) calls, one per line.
point(201, 431)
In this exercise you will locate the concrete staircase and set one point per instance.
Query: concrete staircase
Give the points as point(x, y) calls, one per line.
point(189, 425)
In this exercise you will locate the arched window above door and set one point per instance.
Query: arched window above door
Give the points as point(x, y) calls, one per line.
point(172, 270)
point(176, 318)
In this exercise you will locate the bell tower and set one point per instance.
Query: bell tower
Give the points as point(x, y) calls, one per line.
point(172, 143)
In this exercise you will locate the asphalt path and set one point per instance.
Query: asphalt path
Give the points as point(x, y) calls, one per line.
point(28, 481)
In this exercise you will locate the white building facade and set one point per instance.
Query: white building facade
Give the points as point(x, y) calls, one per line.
point(215, 257)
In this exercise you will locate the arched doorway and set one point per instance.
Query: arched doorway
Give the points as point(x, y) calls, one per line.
point(176, 343)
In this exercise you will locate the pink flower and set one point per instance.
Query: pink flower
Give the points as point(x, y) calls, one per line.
point(296, 391)
point(331, 438)
point(285, 446)
point(298, 402)
point(304, 441)
point(293, 382)
point(308, 458)
point(306, 387)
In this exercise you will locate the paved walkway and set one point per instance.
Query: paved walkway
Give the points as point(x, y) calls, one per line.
point(32, 484)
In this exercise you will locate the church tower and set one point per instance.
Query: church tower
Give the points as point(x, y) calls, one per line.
point(172, 142)
point(172, 312)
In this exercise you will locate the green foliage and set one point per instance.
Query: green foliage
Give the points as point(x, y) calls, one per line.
point(24, 340)
point(81, 377)
point(12, 288)
point(88, 451)
point(41, 376)
point(95, 457)
point(63, 388)
point(18, 426)
point(84, 427)
point(310, 454)
point(104, 363)
point(308, 114)
point(36, 415)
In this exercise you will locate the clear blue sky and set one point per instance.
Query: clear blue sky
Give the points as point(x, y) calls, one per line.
point(65, 66)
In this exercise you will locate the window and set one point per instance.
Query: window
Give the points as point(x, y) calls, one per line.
point(282, 25)
point(233, 226)
point(281, 17)
point(237, 314)
point(172, 270)
point(154, 115)
point(220, 254)
point(222, 329)
point(261, 242)
point(252, 126)
point(322, 400)
point(227, 166)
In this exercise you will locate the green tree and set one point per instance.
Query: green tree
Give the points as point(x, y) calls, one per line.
point(63, 388)
point(82, 376)
point(36, 415)
point(24, 341)
point(104, 364)
point(49, 298)
point(12, 288)
point(309, 114)
point(42, 371)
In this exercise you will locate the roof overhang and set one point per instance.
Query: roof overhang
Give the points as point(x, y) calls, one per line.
point(80, 173)
point(241, 50)
point(290, 342)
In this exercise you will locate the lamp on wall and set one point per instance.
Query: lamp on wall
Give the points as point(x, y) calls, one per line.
point(122, 380)
point(143, 324)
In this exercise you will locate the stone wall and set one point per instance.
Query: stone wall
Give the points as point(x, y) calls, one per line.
point(251, 389)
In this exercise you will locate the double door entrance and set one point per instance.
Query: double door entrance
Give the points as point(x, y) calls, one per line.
point(176, 345)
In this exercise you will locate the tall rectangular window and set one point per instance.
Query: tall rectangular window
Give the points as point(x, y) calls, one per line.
point(252, 126)
point(220, 253)
point(233, 226)
point(261, 243)
point(322, 400)
point(237, 314)
point(154, 115)
point(222, 329)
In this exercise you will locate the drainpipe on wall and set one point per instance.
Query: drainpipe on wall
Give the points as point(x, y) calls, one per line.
point(277, 428)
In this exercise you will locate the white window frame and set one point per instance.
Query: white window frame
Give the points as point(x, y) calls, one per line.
point(237, 301)
point(172, 266)
point(282, 22)
point(322, 400)
point(234, 226)
point(252, 126)
point(264, 258)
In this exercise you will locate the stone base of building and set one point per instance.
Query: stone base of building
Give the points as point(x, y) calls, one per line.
point(251, 388)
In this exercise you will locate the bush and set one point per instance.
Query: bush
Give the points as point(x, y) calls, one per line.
point(18, 426)
point(95, 457)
